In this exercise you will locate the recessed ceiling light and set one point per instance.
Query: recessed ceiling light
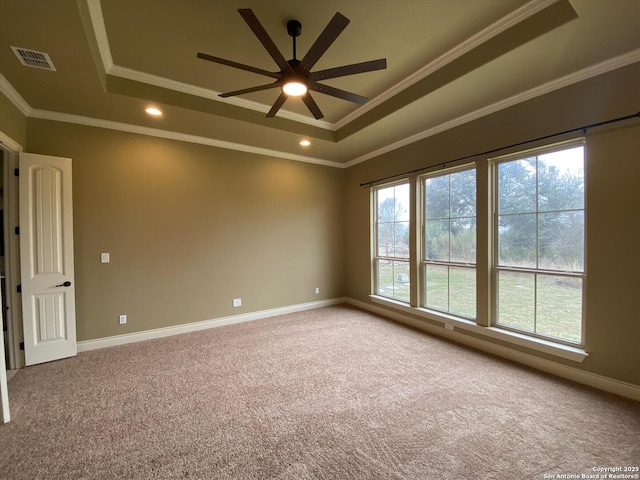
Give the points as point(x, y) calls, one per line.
point(305, 143)
point(156, 112)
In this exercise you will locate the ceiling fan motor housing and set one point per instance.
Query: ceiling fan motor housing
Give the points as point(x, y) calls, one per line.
point(294, 28)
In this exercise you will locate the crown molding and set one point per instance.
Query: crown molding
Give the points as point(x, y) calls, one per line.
point(170, 135)
point(100, 32)
point(10, 143)
point(584, 74)
point(14, 97)
point(604, 67)
point(505, 23)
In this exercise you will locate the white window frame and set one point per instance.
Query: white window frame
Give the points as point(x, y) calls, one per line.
point(423, 261)
point(484, 325)
point(375, 258)
point(534, 271)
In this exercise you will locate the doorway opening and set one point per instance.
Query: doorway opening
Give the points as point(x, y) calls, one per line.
point(10, 262)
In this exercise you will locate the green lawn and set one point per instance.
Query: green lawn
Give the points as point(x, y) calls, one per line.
point(558, 299)
point(389, 274)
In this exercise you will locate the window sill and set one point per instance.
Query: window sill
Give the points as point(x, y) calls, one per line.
point(452, 324)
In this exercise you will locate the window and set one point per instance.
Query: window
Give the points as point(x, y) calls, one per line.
point(391, 252)
point(539, 243)
point(497, 247)
point(449, 242)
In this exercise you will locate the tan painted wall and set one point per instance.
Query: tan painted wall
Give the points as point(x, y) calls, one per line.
point(613, 214)
point(12, 121)
point(191, 227)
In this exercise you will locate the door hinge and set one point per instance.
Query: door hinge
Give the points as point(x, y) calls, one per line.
point(17, 230)
point(16, 172)
point(19, 288)
point(21, 345)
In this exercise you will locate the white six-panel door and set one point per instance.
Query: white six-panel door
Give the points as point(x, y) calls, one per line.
point(46, 258)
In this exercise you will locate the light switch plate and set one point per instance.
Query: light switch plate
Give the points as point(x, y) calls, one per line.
point(104, 257)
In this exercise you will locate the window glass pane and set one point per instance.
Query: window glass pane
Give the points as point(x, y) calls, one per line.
point(561, 180)
point(393, 204)
point(559, 307)
point(462, 291)
point(517, 186)
point(386, 246)
point(401, 241)
point(401, 284)
point(463, 240)
point(437, 233)
point(402, 202)
point(561, 241)
point(392, 216)
point(437, 197)
point(384, 280)
point(517, 240)
point(437, 287)
point(463, 194)
point(393, 279)
point(516, 300)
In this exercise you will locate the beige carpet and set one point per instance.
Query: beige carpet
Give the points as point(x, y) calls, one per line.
point(333, 393)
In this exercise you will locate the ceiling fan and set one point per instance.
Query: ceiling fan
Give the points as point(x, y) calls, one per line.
point(295, 77)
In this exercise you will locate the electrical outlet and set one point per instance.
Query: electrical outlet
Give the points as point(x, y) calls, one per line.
point(448, 326)
point(123, 319)
point(317, 290)
point(237, 302)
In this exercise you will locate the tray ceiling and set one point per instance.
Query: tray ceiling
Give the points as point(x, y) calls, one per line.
point(448, 62)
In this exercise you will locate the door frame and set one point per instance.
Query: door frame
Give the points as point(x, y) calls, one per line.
point(10, 151)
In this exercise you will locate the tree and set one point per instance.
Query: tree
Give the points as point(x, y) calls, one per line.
point(450, 214)
point(541, 215)
point(393, 228)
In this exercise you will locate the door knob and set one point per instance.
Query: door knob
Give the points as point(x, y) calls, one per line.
point(65, 284)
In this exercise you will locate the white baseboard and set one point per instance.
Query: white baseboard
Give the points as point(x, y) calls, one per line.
point(601, 382)
point(86, 345)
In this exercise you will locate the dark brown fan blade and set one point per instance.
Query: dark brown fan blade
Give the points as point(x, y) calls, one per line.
point(337, 24)
point(241, 66)
point(312, 106)
point(250, 90)
point(265, 39)
point(336, 92)
point(276, 106)
point(352, 69)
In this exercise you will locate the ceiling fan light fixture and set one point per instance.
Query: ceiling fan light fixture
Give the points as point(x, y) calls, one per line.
point(294, 88)
point(153, 111)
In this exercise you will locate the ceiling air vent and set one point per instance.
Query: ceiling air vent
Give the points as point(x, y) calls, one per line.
point(31, 58)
